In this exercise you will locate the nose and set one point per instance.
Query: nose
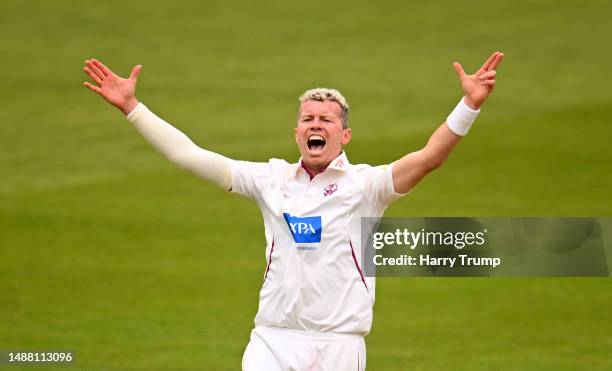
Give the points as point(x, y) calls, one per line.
point(316, 124)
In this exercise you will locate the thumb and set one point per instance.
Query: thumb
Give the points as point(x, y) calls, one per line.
point(135, 72)
point(459, 69)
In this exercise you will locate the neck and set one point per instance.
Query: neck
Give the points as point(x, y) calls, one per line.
point(313, 172)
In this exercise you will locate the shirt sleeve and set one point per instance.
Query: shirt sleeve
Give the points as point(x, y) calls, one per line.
point(378, 184)
point(249, 178)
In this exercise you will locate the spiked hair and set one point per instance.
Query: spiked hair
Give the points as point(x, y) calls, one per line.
point(328, 95)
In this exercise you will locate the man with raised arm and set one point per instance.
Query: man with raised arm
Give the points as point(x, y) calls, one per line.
point(315, 304)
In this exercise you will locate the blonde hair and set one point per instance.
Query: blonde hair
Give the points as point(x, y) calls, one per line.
point(328, 95)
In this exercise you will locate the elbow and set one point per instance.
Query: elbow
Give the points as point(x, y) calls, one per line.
point(432, 164)
point(431, 160)
point(182, 159)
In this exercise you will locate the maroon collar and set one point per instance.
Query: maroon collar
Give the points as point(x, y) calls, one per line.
point(339, 163)
point(308, 171)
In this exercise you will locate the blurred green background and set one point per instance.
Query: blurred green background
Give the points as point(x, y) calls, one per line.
point(108, 250)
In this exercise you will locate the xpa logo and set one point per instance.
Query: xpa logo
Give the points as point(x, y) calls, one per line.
point(306, 229)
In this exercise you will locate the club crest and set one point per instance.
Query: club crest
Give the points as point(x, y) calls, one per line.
point(330, 189)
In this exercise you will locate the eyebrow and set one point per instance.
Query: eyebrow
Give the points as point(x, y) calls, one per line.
point(325, 115)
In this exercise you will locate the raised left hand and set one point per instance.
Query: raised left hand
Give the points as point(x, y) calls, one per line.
point(478, 87)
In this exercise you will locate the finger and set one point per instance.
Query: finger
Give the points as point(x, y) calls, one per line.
point(490, 83)
point(135, 72)
point(93, 88)
point(497, 61)
point(102, 67)
point(93, 68)
point(459, 70)
point(486, 65)
point(92, 75)
point(488, 75)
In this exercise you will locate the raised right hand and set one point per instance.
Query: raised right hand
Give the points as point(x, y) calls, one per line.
point(116, 90)
point(478, 87)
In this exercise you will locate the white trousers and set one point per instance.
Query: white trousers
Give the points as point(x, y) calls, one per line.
point(280, 349)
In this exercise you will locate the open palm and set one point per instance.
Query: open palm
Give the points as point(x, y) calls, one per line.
point(478, 87)
point(116, 90)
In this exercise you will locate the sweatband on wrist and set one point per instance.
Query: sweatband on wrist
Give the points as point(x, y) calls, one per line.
point(462, 118)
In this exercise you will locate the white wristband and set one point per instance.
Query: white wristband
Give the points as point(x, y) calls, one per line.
point(462, 118)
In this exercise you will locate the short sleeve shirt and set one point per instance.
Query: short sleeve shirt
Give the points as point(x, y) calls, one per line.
point(313, 280)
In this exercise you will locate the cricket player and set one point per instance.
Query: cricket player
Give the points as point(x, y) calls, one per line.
point(315, 304)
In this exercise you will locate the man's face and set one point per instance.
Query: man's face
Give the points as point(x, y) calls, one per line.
point(319, 134)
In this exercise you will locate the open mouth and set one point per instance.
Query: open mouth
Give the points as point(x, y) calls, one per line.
point(316, 143)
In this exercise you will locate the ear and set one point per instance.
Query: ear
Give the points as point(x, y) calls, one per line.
point(295, 133)
point(346, 136)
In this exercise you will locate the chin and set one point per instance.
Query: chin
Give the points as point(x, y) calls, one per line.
point(315, 161)
point(317, 157)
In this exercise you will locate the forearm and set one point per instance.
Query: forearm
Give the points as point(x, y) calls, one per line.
point(179, 149)
point(410, 169)
point(439, 147)
point(445, 138)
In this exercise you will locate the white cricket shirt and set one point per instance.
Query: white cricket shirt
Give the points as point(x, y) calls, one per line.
point(313, 279)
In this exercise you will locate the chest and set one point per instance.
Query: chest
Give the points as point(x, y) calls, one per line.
point(313, 211)
point(325, 194)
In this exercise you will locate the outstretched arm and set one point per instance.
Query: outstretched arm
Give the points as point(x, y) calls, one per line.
point(172, 143)
point(410, 169)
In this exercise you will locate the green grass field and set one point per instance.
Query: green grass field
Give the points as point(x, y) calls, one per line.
point(109, 251)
